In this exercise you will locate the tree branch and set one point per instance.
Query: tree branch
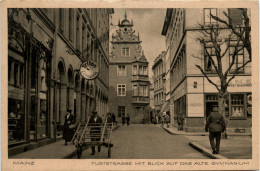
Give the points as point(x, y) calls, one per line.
point(236, 71)
point(207, 77)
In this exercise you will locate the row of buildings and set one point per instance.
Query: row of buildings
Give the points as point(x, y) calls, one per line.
point(45, 50)
point(181, 88)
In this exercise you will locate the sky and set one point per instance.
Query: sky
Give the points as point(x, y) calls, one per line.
point(149, 23)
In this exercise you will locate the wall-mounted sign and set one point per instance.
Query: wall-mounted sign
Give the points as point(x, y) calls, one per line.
point(89, 70)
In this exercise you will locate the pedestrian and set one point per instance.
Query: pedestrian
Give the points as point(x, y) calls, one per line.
point(109, 120)
point(95, 123)
point(162, 120)
point(180, 118)
point(156, 119)
point(167, 120)
point(114, 119)
point(128, 120)
point(67, 129)
point(123, 120)
point(215, 125)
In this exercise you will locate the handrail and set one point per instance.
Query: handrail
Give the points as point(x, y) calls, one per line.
point(84, 130)
point(76, 133)
point(103, 132)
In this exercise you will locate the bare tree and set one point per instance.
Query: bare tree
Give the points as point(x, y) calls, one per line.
point(237, 37)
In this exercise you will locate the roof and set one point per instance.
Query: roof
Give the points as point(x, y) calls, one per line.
point(167, 21)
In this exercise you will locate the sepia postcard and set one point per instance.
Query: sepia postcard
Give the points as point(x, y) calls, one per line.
point(129, 85)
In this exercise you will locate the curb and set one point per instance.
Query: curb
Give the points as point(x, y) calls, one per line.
point(206, 151)
point(203, 134)
point(74, 153)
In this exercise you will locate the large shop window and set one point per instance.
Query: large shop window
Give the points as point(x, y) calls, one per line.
point(121, 111)
point(121, 90)
point(16, 120)
point(237, 105)
point(249, 104)
point(180, 106)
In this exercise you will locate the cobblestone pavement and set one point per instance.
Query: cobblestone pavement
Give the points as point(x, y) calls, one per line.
point(146, 142)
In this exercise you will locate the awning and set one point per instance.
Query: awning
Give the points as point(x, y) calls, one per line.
point(165, 107)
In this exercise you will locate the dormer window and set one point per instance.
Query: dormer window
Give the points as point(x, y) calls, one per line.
point(125, 51)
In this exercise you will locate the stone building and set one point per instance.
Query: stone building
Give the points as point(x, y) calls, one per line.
point(190, 92)
point(45, 50)
point(128, 74)
point(159, 82)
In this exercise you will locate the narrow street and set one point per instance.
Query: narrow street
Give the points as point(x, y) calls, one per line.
point(146, 142)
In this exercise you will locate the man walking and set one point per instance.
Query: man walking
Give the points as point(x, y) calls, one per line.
point(95, 130)
point(215, 125)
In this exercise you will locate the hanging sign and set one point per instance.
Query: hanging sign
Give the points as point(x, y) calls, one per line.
point(89, 70)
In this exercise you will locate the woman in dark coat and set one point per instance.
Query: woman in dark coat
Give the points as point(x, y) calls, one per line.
point(128, 120)
point(67, 131)
point(123, 120)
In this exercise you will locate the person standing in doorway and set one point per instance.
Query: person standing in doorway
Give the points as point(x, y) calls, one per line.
point(128, 120)
point(67, 133)
point(123, 120)
point(215, 125)
point(95, 131)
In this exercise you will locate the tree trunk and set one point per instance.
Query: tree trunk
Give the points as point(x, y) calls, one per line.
point(221, 104)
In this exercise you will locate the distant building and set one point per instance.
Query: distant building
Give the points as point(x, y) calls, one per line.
point(128, 74)
point(159, 82)
point(190, 92)
point(46, 47)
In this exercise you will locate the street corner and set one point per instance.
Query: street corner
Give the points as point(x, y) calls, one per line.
point(207, 152)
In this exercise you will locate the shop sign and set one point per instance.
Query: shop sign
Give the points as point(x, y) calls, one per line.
point(89, 70)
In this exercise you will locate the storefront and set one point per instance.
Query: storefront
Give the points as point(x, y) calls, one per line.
point(196, 97)
point(28, 84)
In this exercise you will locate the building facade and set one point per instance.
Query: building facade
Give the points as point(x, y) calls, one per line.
point(159, 82)
point(45, 50)
point(190, 92)
point(128, 74)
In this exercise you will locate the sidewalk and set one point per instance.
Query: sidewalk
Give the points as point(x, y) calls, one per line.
point(234, 147)
point(55, 150)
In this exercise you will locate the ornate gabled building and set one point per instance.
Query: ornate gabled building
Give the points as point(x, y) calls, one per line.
point(128, 74)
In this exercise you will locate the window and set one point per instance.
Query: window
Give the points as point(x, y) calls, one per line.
point(83, 38)
point(239, 59)
point(71, 24)
point(236, 16)
point(121, 70)
point(16, 75)
point(61, 17)
point(237, 105)
point(121, 111)
point(143, 90)
point(134, 90)
point(208, 63)
point(121, 90)
point(77, 33)
point(207, 15)
point(125, 51)
point(141, 70)
point(134, 70)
